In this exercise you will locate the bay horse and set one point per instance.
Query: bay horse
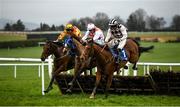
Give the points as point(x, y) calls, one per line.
point(79, 66)
point(106, 64)
point(62, 62)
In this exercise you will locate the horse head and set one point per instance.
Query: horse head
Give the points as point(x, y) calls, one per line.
point(88, 51)
point(49, 48)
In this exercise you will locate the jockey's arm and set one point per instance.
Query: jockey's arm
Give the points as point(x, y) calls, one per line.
point(108, 36)
point(124, 32)
point(85, 36)
point(98, 36)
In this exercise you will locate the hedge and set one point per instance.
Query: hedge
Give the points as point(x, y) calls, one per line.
point(24, 43)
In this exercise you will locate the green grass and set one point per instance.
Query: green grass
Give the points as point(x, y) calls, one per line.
point(12, 37)
point(25, 90)
point(29, 52)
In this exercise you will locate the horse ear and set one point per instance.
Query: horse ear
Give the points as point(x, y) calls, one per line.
point(58, 43)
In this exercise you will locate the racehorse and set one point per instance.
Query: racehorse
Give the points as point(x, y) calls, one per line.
point(62, 62)
point(106, 64)
point(79, 66)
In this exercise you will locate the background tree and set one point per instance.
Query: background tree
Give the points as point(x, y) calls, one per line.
point(53, 28)
point(132, 22)
point(7, 27)
point(136, 20)
point(44, 27)
point(83, 22)
point(119, 20)
point(101, 20)
point(18, 26)
point(155, 23)
point(175, 24)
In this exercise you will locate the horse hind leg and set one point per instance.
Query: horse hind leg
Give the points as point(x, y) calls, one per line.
point(135, 69)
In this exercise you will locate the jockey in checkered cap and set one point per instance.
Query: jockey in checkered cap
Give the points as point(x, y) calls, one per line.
point(116, 39)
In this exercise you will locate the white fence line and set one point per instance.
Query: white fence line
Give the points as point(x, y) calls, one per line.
point(41, 65)
point(49, 62)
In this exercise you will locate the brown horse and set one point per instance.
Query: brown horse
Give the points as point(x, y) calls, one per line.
point(106, 64)
point(80, 66)
point(62, 62)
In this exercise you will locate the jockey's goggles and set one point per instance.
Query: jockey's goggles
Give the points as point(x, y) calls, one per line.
point(113, 26)
point(68, 30)
point(91, 30)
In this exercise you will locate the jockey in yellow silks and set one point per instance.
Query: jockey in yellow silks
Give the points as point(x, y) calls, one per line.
point(69, 30)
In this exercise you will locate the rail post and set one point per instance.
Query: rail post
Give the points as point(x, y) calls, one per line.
point(42, 75)
point(14, 71)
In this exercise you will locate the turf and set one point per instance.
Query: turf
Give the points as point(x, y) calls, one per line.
point(25, 90)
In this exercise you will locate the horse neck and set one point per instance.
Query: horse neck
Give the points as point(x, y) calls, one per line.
point(57, 51)
point(102, 57)
point(79, 47)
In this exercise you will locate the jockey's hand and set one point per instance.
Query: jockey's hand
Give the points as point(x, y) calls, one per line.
point(64, 50)
point(56, 40)
point(119, 40)
point(82, 42)
point(106, 43)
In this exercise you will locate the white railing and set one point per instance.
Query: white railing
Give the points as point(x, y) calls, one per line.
point(146, 67)
point(49, 62)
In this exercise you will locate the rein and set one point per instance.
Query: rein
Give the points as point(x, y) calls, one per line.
point(100, 52)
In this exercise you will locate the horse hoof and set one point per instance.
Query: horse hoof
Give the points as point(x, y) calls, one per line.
point(46, 91)
point(68, 91)
point(70, 84)
point(92, 97)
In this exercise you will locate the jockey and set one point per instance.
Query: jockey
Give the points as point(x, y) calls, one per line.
point(71, 31)
point(95, 33)
point(116, 39)
point(66, 37)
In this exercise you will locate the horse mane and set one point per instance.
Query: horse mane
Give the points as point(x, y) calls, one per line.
point(79, 46)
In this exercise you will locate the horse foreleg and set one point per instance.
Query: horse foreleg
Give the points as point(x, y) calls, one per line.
point(50, 85)
point(98, 78)
point(77, 73)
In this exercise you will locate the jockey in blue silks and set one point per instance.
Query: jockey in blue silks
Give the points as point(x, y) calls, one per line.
point(69, 43)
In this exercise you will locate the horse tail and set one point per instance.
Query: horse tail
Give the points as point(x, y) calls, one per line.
point(143, 49)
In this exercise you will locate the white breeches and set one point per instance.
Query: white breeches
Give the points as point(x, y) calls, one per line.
point(117, 41)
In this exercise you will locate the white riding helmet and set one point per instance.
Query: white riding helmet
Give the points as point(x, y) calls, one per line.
point(113, 22)
point(90, 26)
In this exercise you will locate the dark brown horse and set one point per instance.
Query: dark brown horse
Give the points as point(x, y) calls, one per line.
point(106, 65)
point(62, 62)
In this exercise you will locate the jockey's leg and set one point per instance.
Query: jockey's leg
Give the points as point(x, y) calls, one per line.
point(111, 45)
point(121, 52)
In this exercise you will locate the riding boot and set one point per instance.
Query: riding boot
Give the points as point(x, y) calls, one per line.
point(114, 54)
